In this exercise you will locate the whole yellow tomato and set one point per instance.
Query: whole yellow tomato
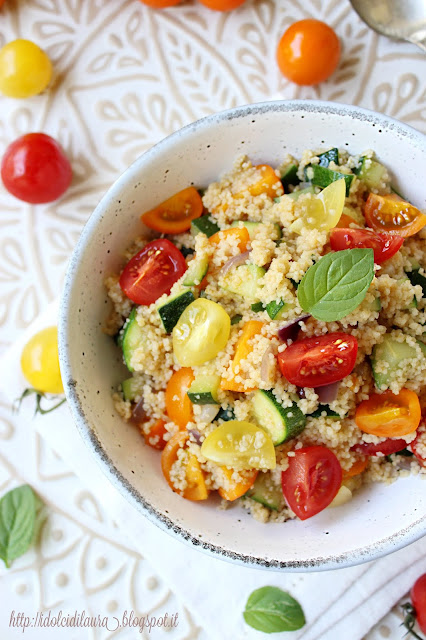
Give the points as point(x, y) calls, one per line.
point(25, 70)
point(40, 362)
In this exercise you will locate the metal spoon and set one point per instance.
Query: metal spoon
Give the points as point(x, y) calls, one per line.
point(401, 19)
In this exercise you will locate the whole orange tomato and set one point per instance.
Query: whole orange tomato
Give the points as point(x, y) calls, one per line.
point(222, 5)
point(308, 52)
point(159, 4)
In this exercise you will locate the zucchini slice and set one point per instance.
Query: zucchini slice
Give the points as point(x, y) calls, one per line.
point(324, 408)
point(393, 353)
point(332, 155)
point(276, 309)
point(372, 173)
point(281, 423)
point(225, 414)
point(130, 388)
point(289, 176)
point(204, 225)
point(197, 269)
point(323, 176)
point(266, 492)
point(416, 277)
point(133, 338)
point(244, 281)
point(204, 390)
point(172, 309)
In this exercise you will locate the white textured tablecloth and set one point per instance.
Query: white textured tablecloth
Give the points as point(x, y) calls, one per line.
point(344, 603)
point(125, 77)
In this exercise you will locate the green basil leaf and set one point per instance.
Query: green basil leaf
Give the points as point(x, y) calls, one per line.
point(17, 522)
point(336, 285)
point(271, 610)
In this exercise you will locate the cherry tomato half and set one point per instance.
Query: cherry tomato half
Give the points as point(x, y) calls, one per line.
point(386, 448)
point(152, 272)
point(311, 481)
point(383, 245)
point(389, 415)
point(418, 598)
point(35, 169)
point(320, 360)
point(25, 70)
point(178, 405)
point(308, 52)
point(222, 5)
point(418, 446)
point(392, 215)
point(175, 214)
point(160, 4)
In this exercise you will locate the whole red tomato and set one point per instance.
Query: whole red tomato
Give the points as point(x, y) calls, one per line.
point(418, 598)
point(35, 169)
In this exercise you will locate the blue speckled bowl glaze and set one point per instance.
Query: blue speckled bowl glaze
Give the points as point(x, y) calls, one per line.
point(380, 519)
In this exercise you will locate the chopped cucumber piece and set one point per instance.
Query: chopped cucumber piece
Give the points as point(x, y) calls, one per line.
point(324, 408)
point(266, 492)
point(172, 309)
point(204, 225)
point(332, 155)
point(236, 319)
point(187, 251)
point(289, 176)
point(372, 173)
point(204, 390)
point(322, 176)
point(244, 281)
point(295, 195)
point(253, 227)
point(197, 269)
point(276, 309)
point(225, 414)
point(133, 337)
point(393, 353)
point(130, 389)
point(413, 304)
point(376, 305)
point(257, 306)
point(416, 277)
point(282, 423)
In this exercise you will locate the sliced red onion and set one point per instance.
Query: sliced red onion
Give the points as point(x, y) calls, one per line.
point(208, 412)
point(138, 413)
point(236, 261)
point(290, 330)
point(267, 365)
point(328, 392)
point(196, 435)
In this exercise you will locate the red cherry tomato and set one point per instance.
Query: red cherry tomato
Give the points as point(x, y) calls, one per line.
point(418, 598)
point(35, 169)
point(311, 481)
point(383, 245)
point(386, 448)
point(320, 360)
point(418, 446)
point(308, 52)
point(152, 272)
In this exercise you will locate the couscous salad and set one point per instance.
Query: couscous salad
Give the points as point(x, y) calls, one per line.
point(273, 328)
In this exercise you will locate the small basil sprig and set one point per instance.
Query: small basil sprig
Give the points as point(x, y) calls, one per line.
point(18, 522)
point(336, 285)
point(271, 610)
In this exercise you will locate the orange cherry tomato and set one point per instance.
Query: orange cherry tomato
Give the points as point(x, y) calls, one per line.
point(393, 215)
point(236, 489)
point(268, 183)
point(308, 52)
point(178, 405)
point(345, 221)
point(358, 467)
point(243, 348)
point(155, 437)
point(241, 234)
point(196, 487)
point(174, 215)
point(388, 415)
point(2, 3)
point(222, 5)
point(160, 4)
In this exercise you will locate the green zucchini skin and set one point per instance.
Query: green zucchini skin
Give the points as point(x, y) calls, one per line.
point(282, 423)
point(172, 309)
point(204, 224)
point(323, 176)
point(204, 390)
point(132, 338)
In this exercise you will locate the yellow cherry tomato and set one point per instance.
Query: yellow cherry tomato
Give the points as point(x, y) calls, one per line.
point(25, 70)
point(322, 211)
point(40, 362)
point(201, 332)
point(240, 445)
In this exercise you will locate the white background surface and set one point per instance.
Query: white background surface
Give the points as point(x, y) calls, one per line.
point(126, 76)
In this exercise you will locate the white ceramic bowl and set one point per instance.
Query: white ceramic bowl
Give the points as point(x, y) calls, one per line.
point(380, 518)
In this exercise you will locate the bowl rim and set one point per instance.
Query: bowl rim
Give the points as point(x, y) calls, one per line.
point(353, 557)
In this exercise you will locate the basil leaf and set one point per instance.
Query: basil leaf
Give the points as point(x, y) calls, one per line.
point(270, 609)
point(336, 285)
point(17, 522)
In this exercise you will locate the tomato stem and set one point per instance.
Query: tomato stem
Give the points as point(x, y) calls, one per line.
point(410, 620)
point(39, 396)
